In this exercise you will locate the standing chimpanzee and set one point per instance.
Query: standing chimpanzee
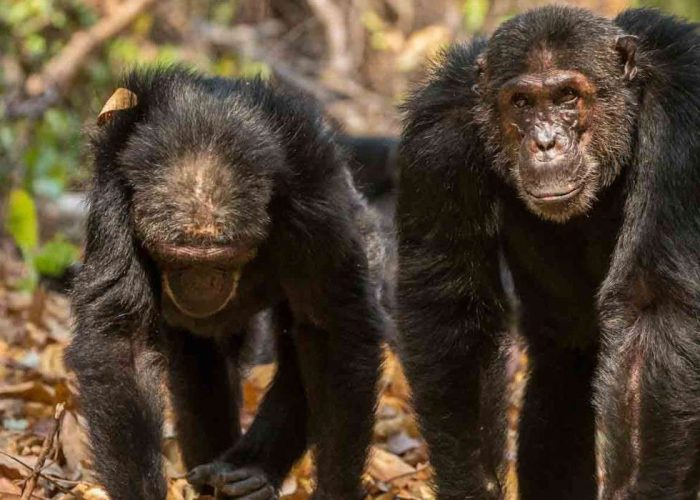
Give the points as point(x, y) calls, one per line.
point(215, 199)
point(567, 148)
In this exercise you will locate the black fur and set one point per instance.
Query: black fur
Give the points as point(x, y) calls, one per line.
point(318, 267)
point(609, 301)
point(374, 168)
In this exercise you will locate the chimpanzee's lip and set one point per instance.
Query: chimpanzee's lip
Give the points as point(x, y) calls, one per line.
point(228, 254)
point(200, 292)
point(559, 195)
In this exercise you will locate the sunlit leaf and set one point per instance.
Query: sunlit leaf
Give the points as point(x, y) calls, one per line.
point(475, 12)
point(21, 221)
point(55, 257)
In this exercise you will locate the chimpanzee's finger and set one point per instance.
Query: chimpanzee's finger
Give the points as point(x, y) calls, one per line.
point(202, 474)
point(244, 487)
point(267, 492)
point(231, 475)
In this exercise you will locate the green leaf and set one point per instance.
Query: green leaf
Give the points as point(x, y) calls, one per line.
point(21, 220)
point(250, 69)
point(55, 257)
point(475, 12)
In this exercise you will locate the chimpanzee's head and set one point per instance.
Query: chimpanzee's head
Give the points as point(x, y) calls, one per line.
point(200, 167)
point(558, 106)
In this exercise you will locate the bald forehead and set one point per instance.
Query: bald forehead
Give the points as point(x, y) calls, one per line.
point(540, 59)
point(548, 79)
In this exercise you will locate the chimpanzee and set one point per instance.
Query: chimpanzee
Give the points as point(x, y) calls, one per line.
point(565, 148)
point(373, 168)
point(214, 200)
point(373, 163)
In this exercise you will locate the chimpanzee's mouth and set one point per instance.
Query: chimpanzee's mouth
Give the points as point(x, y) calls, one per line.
point(556, 195)
point(201, 291)
point(202, 255)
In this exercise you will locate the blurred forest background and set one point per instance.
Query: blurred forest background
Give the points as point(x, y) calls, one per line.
point(59, 61)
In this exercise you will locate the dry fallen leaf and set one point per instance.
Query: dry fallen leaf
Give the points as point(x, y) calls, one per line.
point(51, 363)
point(89, 492)
point(30, 391)
point(256, 383)
point(7, 487)
point(73, 442)
point(20, 467)
point(385, 466)
point(400, 443)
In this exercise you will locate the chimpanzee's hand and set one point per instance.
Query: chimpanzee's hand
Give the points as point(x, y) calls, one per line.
point(242, 483)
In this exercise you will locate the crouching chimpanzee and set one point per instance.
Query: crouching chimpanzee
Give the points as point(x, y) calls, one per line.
point(215, 199)
point(567, 148)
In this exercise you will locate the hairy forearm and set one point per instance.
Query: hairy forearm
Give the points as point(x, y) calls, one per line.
point(119, 396)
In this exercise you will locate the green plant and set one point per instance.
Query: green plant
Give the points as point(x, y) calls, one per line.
point(50, 259)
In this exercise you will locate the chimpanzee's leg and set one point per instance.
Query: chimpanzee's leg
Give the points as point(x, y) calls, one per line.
point(648, 394)
point(340, 377)
point(556, 449)
point(493, 408)
point(206, 394)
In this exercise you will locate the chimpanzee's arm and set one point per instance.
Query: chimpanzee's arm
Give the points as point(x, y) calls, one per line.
point(258, 463)
point(339, 339)
point(451, 305)
point(648, 388)
point(116, 369)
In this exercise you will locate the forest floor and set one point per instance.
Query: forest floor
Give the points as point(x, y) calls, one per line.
point(43, 451)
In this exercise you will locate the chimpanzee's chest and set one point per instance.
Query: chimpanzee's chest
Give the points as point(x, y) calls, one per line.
point(558, 268)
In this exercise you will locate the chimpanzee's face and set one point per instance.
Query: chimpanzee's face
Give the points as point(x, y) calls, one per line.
point(558, 112)
point(202, 221)
point(545, 121)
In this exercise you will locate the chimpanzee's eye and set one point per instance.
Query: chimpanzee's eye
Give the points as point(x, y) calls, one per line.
point(520, 100)
point(568, 95)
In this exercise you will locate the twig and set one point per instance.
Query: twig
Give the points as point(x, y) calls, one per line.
point(45, 88)
point(46, 448)
point(15, 459)
point(290, 36)
point(50, 478)
point(333, 20)
point(244, 39)
point(32, 107)
point(53, 477)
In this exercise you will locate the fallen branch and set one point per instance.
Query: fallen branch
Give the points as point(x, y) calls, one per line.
point(49, 477)
point(46, 447)
point(46, 88)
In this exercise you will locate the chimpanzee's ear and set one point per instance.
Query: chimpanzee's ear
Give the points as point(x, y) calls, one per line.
point(626, 45)
point(120, 100)
point(480, 68)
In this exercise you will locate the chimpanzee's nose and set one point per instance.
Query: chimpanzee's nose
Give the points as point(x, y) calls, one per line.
point(545, 138)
